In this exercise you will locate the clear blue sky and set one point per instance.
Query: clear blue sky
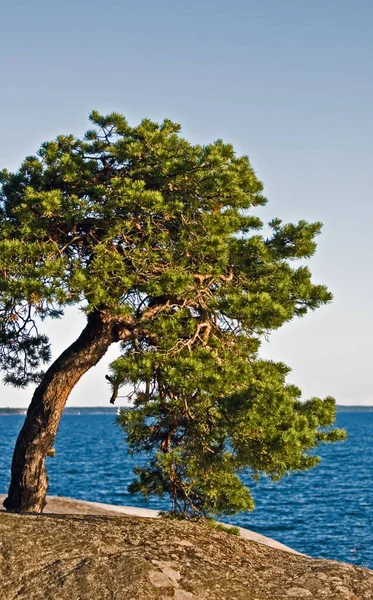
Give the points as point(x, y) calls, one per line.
point(289, 82)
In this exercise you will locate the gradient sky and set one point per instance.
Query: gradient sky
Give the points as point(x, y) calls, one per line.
point(288, 82)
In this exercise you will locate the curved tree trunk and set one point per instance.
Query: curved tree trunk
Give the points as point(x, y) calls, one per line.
point(29, 481)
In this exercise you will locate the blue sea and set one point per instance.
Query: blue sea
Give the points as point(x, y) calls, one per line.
point(326, 512)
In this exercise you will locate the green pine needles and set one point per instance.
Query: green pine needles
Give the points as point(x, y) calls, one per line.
point(139, 225)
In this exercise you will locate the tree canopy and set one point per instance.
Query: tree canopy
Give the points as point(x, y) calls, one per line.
point(157, 235)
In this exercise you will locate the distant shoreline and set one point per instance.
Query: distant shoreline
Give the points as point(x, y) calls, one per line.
point(112, 410)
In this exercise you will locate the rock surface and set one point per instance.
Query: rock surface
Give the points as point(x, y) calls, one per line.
point(88, 557)
point(70, 506)
point(61, 505)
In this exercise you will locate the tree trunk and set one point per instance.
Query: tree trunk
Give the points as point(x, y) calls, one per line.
point(29, 481)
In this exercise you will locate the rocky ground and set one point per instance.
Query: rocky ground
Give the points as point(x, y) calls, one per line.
point(86, 557)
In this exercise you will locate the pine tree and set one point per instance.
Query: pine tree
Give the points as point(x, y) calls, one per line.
point(156, 241)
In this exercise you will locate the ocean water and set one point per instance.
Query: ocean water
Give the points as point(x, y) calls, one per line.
point(326, 512)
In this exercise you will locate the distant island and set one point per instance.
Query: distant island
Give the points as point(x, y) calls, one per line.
point(71, 410)
point(112, 410)
point(343, 408)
